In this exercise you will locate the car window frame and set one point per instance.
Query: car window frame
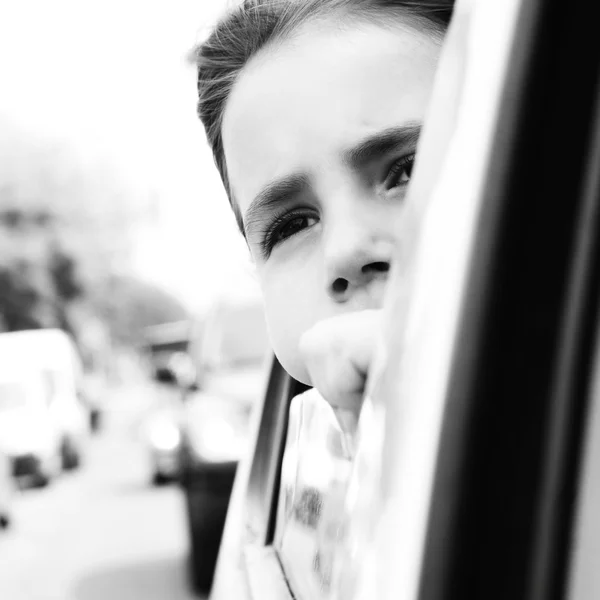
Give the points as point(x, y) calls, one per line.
point(248, 565)
point(539, 545)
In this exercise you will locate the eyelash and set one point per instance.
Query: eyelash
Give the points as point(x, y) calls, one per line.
point(270, 237)
point(403, 165)
point(270, 240)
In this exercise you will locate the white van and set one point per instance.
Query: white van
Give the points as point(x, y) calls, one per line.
point(40, 410)
point(28, 433)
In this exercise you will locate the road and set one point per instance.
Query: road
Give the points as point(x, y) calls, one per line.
point(102, 532)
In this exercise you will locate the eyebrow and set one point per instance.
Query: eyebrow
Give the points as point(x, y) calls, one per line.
point(274, 194)
point(366, 151)
point(381, 143)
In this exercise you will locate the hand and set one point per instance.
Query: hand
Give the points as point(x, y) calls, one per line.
point(337, 353)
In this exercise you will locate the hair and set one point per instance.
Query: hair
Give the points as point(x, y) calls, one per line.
point(254, 24)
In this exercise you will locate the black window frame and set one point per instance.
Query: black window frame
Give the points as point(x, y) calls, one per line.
point(502, 517)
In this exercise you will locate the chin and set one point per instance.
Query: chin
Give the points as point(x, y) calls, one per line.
point(294, 366)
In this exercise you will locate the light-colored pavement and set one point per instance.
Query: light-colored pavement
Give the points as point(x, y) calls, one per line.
point(103, 532)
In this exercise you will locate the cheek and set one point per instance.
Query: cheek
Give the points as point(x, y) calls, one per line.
point(292, 305)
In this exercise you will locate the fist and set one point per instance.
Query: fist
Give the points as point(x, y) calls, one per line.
point(337, 353)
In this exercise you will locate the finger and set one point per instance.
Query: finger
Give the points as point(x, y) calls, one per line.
point(337, 353)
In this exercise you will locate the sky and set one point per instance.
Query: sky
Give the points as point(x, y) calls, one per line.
point(110, 80)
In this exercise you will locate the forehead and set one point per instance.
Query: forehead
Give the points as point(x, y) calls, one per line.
point(299, 104)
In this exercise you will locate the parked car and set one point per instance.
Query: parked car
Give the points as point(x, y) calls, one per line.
point(230, 357)
point(7, 490)
point(161, 432)
point(51, 355)
point(29, 436)
point(174, 374)
point(475, 469)
point(164, 343)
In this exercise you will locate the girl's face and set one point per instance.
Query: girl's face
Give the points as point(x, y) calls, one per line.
point(320, 133)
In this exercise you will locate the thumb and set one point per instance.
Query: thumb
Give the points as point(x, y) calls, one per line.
point(337, 353)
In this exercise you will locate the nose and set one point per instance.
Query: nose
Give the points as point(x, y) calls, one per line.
point(357, 256)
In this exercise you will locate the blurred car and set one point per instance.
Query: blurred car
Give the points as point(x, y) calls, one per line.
point(161, 432)
point(163, 344)
point(7, 490)
point(173, 373)
point(230, 363)
point(474, 470)
point(29, 436)
point(50, 354)
point(164, 437)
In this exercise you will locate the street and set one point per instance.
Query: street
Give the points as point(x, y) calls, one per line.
point(101, 532)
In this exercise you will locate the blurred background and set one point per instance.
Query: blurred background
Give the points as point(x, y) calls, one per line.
point(129, 317)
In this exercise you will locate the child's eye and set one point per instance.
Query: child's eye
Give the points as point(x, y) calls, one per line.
point(286, 227)
point(291, 227)
point(400, 172)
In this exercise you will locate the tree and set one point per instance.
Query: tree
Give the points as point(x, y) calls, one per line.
point(129, 305)
point(65, 233)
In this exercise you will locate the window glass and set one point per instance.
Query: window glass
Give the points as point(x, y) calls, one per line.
point(314, 478)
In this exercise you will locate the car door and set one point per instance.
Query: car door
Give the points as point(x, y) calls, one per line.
point(464, 479)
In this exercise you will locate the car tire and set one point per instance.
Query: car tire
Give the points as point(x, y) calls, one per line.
point(95, 420)
point(70, 456)
point(41, 480)
point(47, 471)
point(159, 479)
point(4, 521)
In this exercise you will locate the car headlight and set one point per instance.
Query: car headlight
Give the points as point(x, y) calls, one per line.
point(216, 439)
point(164, 436)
